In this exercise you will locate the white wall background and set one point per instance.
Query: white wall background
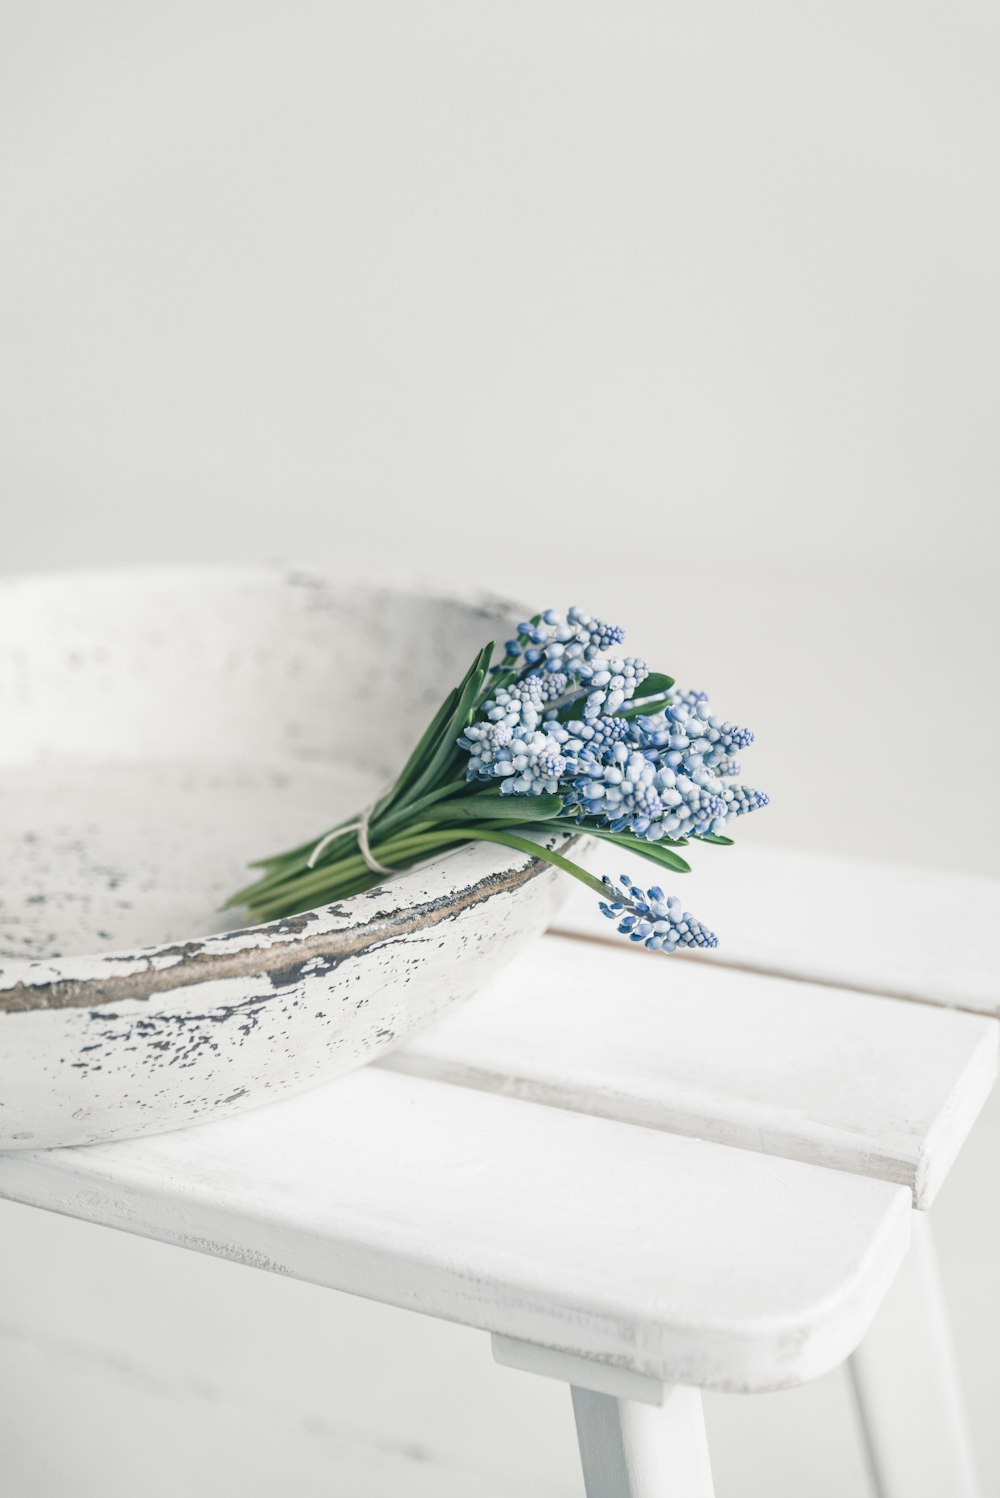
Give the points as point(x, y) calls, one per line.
point(688, 313)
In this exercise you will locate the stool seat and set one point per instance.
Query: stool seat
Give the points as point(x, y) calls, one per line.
point(643, 1176)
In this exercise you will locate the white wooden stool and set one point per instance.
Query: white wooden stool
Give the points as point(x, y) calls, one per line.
point(642, 1176)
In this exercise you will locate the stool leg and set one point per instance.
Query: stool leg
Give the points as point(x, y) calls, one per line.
point(632, 1450)
point(906, 1385)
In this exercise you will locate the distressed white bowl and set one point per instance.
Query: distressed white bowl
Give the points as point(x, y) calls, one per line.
point(160, 729)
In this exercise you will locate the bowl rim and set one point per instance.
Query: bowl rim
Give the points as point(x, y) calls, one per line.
point(344, 929)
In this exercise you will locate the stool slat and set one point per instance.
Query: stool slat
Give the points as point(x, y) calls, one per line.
point(824, 1075)
point(677, 1259)
point(884, 928)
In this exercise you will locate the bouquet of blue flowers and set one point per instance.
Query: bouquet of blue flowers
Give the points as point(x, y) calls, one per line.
point(561, 730)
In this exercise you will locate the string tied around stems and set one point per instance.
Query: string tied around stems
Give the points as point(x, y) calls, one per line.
point(360, 828)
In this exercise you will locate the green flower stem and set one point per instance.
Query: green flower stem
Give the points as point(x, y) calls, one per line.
point(406, 809)
point(351, 875)
point(525, 845)
point(287, 866)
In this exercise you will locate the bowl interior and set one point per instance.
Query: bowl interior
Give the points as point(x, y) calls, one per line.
point(163, 728)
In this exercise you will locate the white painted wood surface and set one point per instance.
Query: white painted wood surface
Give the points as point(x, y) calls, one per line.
point(824, 1075)
point(884, 928)
point(906, 1383)
point(632, 1451)
point(681, 1260)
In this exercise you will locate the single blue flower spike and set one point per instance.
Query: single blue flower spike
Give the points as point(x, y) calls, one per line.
point(561, 640)
point(741, 799)
point(656, 920)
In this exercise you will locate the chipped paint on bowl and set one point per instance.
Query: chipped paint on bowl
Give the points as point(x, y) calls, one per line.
point(160, 729)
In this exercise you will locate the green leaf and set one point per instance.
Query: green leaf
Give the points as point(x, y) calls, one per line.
point(655, 852)
point(486, 808)
point(518, 808)
point(645, 706)
point(429, 736)
point(662, 856)
point(654, 685)
point(472, 688)
point(444, 748)
point(712, 837)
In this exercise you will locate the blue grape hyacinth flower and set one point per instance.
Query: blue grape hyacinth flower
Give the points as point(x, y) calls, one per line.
point(658, 921)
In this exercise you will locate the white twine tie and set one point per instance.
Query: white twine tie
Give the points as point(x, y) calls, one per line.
point(360, 828)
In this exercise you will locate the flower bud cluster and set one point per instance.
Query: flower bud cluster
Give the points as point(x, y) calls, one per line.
point(561, 642)
point(611, 684)
point(649, 916)
point(531, 765)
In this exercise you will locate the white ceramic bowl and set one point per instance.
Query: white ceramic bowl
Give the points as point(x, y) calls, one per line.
point(160, 729)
